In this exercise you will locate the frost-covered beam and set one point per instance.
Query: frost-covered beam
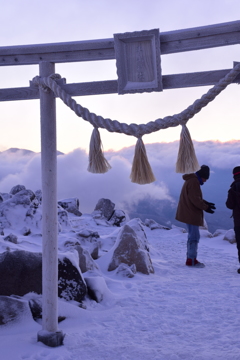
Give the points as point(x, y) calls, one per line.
point(203, 37)
point(205, 78)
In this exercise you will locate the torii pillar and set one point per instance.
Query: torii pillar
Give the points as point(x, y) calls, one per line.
point(49, 335)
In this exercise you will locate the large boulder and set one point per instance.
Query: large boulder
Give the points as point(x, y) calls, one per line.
point(153, 225)
point(13, 310)
point(71, 205)
point(131, 248)
point(104, 209)
point(86, 262)
point(88, 239)
point(21, 273)
point(117, 218)
point(16, 189)
point(71, 285)
point(230, 236)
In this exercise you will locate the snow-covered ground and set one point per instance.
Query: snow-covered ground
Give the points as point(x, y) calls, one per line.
point(176, 313)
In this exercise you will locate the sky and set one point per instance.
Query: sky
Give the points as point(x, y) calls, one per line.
point(36, 22)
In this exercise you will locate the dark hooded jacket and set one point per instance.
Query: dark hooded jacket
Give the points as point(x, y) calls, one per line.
point(191, 204)
point(233, 201)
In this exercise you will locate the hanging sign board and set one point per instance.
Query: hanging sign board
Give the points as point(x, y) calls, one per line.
point(138, 61)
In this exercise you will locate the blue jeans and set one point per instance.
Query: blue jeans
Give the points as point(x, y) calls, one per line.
point(193, 240)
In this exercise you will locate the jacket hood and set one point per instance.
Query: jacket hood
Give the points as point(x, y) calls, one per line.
point(189, 176)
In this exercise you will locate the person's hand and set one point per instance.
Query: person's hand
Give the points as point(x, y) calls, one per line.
point(210, 210)
point(211, 205)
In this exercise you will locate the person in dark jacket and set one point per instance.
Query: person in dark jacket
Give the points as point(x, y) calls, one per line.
point(233, 203)
point(190, 211)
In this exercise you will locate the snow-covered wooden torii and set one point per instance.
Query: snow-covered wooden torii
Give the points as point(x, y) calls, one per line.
point(138, 57)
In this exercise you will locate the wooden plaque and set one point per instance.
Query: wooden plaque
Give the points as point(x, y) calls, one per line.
point(138, 61)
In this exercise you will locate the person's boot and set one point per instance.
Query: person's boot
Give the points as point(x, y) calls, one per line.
point(189, 262)
point(198, 264)
point(194, 263)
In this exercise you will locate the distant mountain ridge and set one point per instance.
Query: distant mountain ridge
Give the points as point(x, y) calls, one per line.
point(24, 152)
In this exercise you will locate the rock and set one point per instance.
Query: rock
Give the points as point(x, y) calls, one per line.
point(16, 189)
point(205, 233)
point(70, 283)
point(219, 232)
point(230, 236)
point(89, 240)
point(13, 310)
point(38, 195)
point(97, 288)
point(86, 262)
point(63, 218)
point(35, 305)
point(205, 225)
point(71, 205)
point(118, 218)
point(25, 231)
point(179, 228)
point(21, 273)
point(126, 271)
point(152, 224)
point(11, 238)
point(33, 219)
point(131, 248)
point(104, 208)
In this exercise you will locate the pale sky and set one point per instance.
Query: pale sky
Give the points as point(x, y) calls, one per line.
point(35, 22)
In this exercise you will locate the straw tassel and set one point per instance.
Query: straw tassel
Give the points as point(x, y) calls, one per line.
point(97, 162)
point(141, 169)
point(187, 161)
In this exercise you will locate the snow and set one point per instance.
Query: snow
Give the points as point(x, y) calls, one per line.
point(177, 313)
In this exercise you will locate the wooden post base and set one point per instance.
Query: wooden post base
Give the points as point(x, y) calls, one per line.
point(52, 339)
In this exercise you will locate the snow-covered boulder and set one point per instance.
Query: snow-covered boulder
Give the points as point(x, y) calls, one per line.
point(16, 189)
point(86, 262)
point(97, 288)
point(118, 218)
point(131, 248)
point(89, 240)
point(182, 230)
point(103, 209)
point(71, 285)
point(11, 238)
point(126, 271)
point(230, 236)
point(219, 232)
point(13, 310)
point(21, 273)
point(71, 205)
point(205, 233)
point(152, 224)
point(205, 225)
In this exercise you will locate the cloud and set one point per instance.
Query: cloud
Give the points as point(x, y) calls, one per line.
point(21, 167)
point(75, 181)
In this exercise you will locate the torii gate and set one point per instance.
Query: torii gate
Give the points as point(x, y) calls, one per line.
point(139, 70)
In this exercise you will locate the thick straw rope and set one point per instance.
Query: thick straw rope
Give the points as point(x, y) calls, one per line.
point(134, 129)
point(141, 169)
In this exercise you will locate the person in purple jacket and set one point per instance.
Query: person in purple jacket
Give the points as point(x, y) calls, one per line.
point(233, 203)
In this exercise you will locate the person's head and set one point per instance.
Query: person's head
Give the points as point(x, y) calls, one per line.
point(204, 173)
point(236, 172)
